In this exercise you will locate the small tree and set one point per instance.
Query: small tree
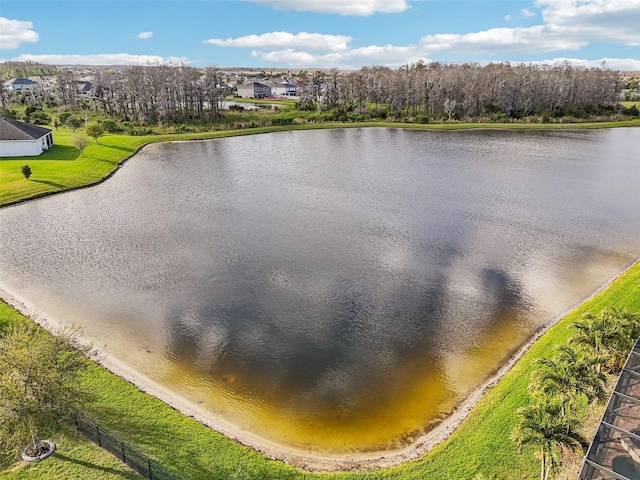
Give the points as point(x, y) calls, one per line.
point(39, 385)
point(64, 116)
point(80, 141)
point(94, 130)
point(26, 171)
point(603, 334)
point(73, 123)
point(542, 427)
point(571, 375)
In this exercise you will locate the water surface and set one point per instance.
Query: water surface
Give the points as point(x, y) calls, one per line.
point(334, 290)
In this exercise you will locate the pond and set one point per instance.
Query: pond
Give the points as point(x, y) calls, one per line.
point(334, 290)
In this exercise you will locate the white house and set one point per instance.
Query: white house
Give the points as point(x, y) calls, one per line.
point(20, 84)
point(253, 90)
point(83, 88)
point(19, 139)
point(284, 89)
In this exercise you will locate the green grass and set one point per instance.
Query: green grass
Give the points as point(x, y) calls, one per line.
point(628, 104)
point(63, 168)
point(191, 451)
point(75, 458)
point(256, 100)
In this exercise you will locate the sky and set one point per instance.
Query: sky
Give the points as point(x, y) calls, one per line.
point(307, 34)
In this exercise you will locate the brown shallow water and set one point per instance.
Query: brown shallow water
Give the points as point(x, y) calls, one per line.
point(333, 291)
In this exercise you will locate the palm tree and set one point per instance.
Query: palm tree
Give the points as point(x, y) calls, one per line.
point(569, 375)
point(542, 427)
point(601, 333)
point(629, 324)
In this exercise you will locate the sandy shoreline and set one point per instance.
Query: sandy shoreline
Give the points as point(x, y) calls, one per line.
point(303, 460)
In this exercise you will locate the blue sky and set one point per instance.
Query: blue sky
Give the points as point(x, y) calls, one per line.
point(306, 34)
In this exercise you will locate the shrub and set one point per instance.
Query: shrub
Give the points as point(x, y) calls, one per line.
point(26, 171)
point(39, 118)
point(73, 123)
point(64, 116)
point(110, 126)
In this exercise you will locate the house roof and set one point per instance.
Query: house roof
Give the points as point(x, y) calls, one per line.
point(251, 85)
point(21, 81)
point(11, 129)
point(83, 85)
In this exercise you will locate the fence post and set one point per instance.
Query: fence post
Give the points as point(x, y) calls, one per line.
point(99, 440)
point(150, 473)
point(124, 459)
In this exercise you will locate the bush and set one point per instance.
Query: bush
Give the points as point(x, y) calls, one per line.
point(305, 104)
point(282, 120)
point(39, 118)
point(64, 116)
point(73, 123)
point(110, 126)
point(26, 171)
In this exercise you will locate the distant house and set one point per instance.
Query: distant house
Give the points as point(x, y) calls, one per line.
point(19, 139)
point(20, 84)
point(284, 89)
point(83, 88)
point(253, 90)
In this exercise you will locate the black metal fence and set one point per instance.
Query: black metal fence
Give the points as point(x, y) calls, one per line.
point(133, 459)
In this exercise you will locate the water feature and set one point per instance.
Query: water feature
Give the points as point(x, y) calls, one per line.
point(334, 290)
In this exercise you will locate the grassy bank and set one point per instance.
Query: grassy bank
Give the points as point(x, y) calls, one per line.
point(191, 451)
point(63, 168)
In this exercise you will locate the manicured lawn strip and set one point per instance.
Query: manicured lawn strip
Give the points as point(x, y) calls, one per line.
point(481, 445)
point(63, 168)
point(261, 101)
point(75, 458)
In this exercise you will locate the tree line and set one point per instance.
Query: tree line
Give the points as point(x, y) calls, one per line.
point(421, 92)
point(471, 90)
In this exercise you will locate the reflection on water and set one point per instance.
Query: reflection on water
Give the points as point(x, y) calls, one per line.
point(331, 290)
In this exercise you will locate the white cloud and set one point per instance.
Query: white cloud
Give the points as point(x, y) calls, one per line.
point(102, 59)
point(144, 35)
point(342, 7)
point(388, 55)
point(614, 21)
point(393, 56)
point(526, 13)
point(501, 40)
point(623, 64)
point(15, 32)
point(508, 18)
point(309, 41)
point(567, 25)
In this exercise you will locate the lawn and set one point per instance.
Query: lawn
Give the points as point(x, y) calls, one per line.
point(628, 104)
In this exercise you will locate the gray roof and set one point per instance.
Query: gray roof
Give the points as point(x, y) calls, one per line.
point(83, 85)
point(22, 81)
point(11, 129)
